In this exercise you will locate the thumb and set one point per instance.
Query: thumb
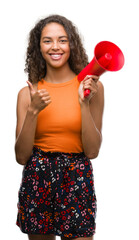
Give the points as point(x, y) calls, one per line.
point(31, 89)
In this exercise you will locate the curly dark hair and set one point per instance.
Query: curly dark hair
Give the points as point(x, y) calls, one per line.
point(35, 64)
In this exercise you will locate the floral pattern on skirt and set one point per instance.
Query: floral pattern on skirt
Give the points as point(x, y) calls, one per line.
point(57, 195)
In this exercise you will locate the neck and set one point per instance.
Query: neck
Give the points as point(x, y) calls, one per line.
point(59, 75)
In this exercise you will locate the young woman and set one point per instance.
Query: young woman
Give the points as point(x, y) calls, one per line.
point(58, 132)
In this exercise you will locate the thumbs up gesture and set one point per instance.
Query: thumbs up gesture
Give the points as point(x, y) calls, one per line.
point(39, 99)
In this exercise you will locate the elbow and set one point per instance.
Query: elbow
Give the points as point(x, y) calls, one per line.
point(21, 161)
point(93, 151)
point(92, 155)
point(20, 158)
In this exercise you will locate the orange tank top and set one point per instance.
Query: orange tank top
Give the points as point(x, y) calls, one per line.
point(59, 124)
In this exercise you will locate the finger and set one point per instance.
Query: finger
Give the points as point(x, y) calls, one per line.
point(43, 94)
point(92, 77)
point(90, 85)
point(90, 82)
point(48, 102)
point(87, 77)
point(92, 88)
point(95, 79)
point(45, 98)
point(44, 90)
point(30, 87)
point(93, 91)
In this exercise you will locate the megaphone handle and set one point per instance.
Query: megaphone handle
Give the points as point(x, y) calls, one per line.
point(86, 93)
point(104, 60)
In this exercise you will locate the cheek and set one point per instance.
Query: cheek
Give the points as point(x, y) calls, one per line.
point(68, 54)
point(43, 50)
point(65, 47)
point(44, 47)
point(67, 50)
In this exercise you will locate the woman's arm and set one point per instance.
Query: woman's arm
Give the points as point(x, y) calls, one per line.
point(92, 112)
point(25, 129)
point(27, 112)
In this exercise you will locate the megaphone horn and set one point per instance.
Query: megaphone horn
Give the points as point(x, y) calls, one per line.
point(107, 57)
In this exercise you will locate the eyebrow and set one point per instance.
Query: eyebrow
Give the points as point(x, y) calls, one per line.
point(59, 37)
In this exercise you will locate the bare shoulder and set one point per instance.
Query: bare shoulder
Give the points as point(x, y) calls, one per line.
point(24, 91)
point(24, 96)
point(100, 87)
point(100, 93)
point(99, 96)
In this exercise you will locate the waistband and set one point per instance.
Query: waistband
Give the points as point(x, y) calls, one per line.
point(39, 151)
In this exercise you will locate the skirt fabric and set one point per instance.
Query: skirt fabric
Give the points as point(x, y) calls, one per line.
point(57, 195)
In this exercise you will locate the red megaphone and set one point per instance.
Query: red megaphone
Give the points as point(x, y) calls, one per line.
point(107, 57)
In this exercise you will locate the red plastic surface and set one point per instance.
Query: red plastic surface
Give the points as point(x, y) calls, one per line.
point(107, 57)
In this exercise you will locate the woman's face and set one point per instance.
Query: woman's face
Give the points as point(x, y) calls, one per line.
point(54, 45)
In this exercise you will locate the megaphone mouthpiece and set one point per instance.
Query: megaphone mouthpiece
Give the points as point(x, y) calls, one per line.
point(108, 56)
point(104, 61)
point(112, 53)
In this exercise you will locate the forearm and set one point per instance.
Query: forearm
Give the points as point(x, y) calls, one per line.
point(91, 137)
point(25, 139)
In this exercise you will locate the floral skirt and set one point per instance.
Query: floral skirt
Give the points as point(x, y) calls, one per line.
point(57, 195)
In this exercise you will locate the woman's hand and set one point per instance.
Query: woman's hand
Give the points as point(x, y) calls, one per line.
point(89, 82)
point(39, 99)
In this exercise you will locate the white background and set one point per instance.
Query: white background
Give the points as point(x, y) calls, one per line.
point(116, 169)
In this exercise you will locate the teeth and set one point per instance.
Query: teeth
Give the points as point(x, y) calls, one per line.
point(56, 56)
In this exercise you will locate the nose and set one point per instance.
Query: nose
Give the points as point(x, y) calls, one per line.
point(55, 45)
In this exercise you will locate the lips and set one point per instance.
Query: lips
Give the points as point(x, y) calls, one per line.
point(56, 56)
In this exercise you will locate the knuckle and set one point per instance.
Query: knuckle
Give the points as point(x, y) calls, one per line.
point(39, 93)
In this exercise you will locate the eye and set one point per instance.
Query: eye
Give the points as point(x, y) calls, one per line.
point(63, 40)
point(47, 41)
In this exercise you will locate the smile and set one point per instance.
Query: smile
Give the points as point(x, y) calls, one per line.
point(56, 56)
